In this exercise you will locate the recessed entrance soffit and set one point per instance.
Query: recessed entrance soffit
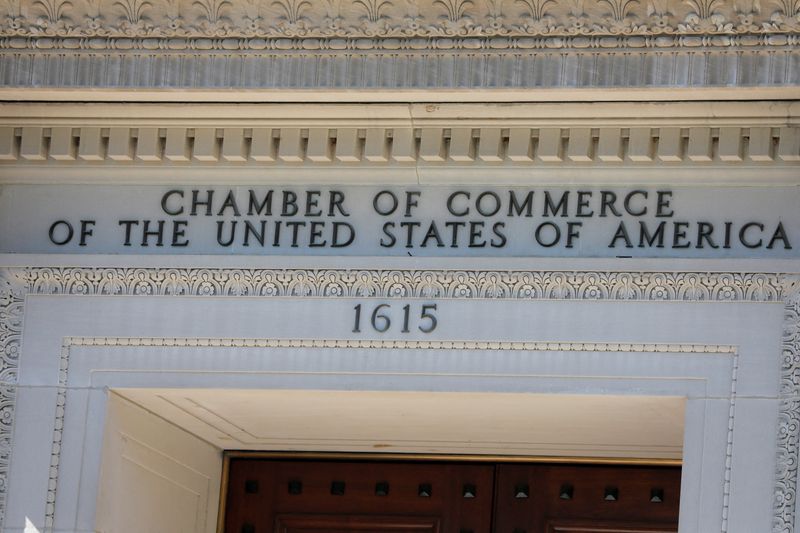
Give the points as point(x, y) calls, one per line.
point(468, 423)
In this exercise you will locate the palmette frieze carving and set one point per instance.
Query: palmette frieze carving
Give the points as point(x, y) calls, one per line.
point(12, 299)
point(404, 23)
point(408, 283)
point(7, 398)
point(790, 383)
point(791, 289)
point(785, 497)
point(785, 494)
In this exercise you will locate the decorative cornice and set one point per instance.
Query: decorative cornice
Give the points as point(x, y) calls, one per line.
point(397, 24)
point(15, 283)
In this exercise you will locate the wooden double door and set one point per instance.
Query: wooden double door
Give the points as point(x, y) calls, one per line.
point(300, 496)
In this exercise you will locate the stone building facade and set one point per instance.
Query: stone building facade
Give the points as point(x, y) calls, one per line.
point(225, 223)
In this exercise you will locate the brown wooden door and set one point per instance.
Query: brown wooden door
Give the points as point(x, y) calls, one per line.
point(279, 496)
point(540, 498)
point(311, 523)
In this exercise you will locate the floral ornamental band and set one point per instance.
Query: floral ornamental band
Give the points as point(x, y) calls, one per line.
point(403, 21)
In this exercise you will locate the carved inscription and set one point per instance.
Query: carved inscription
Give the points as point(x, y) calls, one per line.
point(384, 317)
point(424, 221)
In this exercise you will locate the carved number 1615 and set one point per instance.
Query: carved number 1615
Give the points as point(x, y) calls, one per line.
point(380, 319)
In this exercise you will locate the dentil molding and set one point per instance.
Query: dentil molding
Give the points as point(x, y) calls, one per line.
point(16, 283)
point(514, 143)
point(63, 145)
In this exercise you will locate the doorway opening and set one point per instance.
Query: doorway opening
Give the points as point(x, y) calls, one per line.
point(347, 495)
point(164, 452)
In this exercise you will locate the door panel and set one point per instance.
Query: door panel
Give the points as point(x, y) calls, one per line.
point(348, 523)
point(458, 496)
point(540, 497)
point(266, 496)
point(593, 527)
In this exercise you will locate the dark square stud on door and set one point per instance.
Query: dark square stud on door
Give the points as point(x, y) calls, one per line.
point(337, 488)
point(566, 492)
point(251, 486)
point(657, 495)
point(248, 528)
point(469, 491)
point(425, 490)
point(295, 487)
point(611, 494)
point(521, 491)
point(381, 488)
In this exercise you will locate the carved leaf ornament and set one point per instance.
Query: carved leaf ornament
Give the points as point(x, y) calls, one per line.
point(353, 19)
